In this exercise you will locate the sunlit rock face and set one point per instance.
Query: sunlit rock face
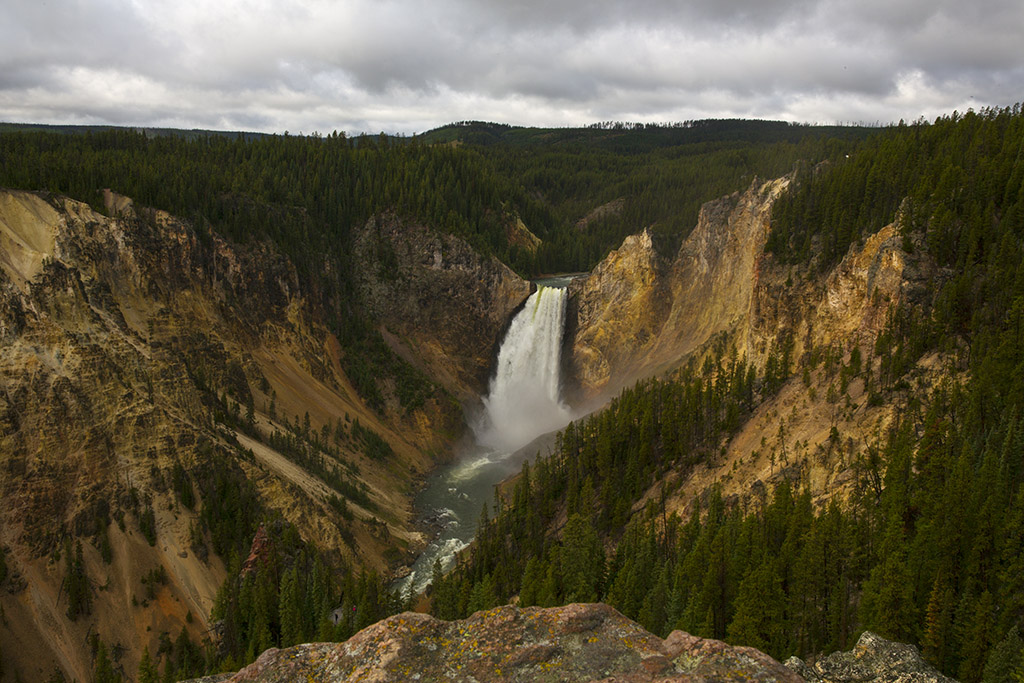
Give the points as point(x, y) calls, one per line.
point(638, 312)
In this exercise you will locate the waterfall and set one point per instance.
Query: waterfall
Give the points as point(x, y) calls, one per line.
point(524, 399)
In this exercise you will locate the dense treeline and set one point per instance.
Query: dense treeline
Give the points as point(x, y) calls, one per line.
point(661, 187)
point(646, 175)
point(633, 138)
point(289, 595)
point(306, 193)
point(929, 549)
point(958, 176)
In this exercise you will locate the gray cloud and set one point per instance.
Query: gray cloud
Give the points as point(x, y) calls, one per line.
point(408, 65)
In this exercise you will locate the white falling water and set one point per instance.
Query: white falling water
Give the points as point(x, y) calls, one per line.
point(524, 399)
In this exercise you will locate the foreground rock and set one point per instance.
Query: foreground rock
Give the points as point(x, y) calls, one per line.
point(572, 643)
point(580, 642)
point(872, 659)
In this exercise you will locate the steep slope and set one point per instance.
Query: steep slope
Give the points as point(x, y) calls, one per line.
point(639, 314)
point(152, 378)
point(440, 304)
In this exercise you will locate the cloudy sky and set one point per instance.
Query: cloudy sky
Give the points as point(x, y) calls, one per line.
point(406, 66)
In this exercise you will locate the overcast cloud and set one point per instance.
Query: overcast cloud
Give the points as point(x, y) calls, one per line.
point(411, 65)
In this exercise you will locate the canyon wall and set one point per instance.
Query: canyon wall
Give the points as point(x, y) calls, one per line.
point(641, 314)
point(439, 303)
point(141, 357)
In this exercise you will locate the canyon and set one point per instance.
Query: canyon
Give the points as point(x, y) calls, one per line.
point(126, 331)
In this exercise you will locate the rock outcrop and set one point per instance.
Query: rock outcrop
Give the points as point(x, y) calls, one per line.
point(638, 313)
point(617, 313)
point(579, 642)
point(872, 660)
point(440, 304)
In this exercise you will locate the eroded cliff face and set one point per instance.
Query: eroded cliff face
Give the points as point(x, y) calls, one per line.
point(122, 336)
point(618, 312)
point(440, 304)
point(813, 430)
point(638, 315)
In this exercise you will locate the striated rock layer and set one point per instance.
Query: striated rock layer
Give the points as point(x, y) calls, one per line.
point(578, 642)
point(640, 313)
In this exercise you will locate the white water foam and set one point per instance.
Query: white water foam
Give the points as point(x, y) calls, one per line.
point(469, 468)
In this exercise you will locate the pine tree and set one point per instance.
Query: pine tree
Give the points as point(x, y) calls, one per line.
point(887, 605)
point(530, 587)
point(76, 582)
point(582, 560)
point(102, 668)
point(1006, 658)
point(938, 625)
point(759, 620)
point(483, 595)
point(289, 605)
point(976, 639)
point(147, 669)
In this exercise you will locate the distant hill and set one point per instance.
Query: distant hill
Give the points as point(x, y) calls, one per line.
point(639, 137)
point(191, 134)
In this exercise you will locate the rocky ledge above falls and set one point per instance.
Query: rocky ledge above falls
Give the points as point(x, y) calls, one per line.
point(579, 642)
